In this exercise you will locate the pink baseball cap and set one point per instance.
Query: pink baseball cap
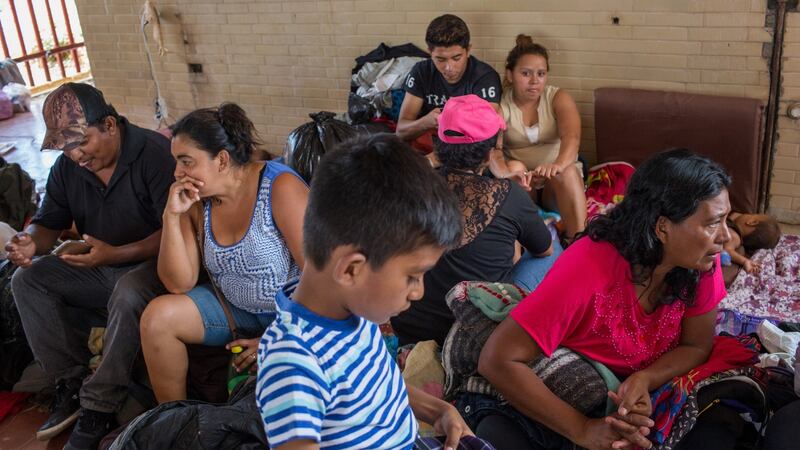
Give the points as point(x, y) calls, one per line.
point(472, 117)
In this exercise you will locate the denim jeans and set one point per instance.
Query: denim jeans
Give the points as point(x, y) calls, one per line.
point(215, 322)
point(529, 271)
point(49, 288)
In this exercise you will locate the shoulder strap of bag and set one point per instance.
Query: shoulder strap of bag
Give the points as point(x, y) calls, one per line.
point(223, 302)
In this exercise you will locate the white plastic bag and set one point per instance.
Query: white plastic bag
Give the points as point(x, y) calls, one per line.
point(20, 96)
point(777, 340)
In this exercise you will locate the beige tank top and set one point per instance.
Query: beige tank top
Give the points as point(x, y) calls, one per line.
point(515, 138)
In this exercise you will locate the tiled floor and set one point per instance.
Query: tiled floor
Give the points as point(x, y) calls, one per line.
point(18, 432)
point(26, 131)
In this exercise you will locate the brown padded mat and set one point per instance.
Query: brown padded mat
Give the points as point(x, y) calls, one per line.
point(631, 124)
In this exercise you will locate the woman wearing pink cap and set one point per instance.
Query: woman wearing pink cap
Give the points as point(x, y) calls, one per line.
point(544, 132)
point(497, 214)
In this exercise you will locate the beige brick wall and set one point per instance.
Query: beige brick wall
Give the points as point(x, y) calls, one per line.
point(785, 189)
point(283, 59)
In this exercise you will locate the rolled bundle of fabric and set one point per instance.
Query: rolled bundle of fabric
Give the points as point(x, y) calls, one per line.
point(478, 308)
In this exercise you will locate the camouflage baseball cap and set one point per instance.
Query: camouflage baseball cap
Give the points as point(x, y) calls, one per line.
point(65, 120)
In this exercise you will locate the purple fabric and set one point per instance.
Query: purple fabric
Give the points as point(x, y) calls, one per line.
point(735, 323)
point(773, 292)
point(466, 443)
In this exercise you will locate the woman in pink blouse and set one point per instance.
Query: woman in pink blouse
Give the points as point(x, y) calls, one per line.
point(638, 293)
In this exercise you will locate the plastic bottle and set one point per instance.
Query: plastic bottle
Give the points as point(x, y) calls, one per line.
point(234, 377)
point(725, 258)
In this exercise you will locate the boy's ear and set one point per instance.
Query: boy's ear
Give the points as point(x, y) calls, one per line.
point(349, 265)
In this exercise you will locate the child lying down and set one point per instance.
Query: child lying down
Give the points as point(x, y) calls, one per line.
point(750, 232)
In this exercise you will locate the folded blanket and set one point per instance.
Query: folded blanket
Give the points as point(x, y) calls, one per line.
point(567, 374)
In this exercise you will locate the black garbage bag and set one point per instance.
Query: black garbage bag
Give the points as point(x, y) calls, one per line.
point(359, 109)
point(307, 143)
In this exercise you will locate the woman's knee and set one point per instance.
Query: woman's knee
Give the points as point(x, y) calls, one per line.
point(161, 316)
point(172, 316)
point(514, 165)
point(568, 181)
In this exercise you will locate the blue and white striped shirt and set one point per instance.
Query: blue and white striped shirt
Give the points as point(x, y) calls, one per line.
point(330, 381)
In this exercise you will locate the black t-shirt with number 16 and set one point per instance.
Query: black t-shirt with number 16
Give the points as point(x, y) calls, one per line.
point(425, 82)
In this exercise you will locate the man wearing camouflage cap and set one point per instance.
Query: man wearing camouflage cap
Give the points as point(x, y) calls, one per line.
point(111, 181)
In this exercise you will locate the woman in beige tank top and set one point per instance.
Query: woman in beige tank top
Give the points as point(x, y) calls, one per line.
point(543, 135)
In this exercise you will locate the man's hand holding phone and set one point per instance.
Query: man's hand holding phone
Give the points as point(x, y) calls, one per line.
point(99, 253)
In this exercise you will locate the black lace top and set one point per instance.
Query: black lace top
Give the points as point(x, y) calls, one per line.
point(496, 213)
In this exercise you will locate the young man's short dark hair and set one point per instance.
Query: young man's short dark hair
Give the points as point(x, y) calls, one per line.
point(446, 31)
point(379, 195)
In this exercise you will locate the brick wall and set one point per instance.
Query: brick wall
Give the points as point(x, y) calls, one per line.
point(283, 59)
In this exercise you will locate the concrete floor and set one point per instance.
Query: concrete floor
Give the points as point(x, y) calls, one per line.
point(26, 131)
point(18, 431)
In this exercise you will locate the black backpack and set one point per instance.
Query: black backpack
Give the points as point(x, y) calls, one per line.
point(14, 351)
point(192, 424)
point(16, 195)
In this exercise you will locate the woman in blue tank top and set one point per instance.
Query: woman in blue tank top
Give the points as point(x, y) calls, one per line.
point(238, 219)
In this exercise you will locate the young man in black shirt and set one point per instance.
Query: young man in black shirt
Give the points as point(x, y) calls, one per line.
point(111, 182)
point(450, 72)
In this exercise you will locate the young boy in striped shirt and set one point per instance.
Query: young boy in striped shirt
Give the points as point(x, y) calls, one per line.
point(378, 218)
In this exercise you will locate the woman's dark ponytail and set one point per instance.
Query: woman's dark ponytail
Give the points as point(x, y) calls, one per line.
point(226, 127)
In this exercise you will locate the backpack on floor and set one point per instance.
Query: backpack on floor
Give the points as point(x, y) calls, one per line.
point(191, 424)
point(14, 351)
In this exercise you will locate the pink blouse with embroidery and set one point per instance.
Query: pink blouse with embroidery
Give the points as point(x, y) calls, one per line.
point(588, 304)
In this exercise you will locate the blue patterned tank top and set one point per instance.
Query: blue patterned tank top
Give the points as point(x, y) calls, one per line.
point(250, 272)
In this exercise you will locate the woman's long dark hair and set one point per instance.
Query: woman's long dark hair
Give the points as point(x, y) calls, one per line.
point(670, 184)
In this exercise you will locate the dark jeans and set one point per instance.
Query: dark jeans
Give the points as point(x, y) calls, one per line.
point(48, 289)
point(505, 427)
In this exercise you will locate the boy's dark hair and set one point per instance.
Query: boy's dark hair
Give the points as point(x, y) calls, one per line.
point(379, 195)
point(464, 156)
point(765, 236)
point(446, 31)
point(95, 108)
